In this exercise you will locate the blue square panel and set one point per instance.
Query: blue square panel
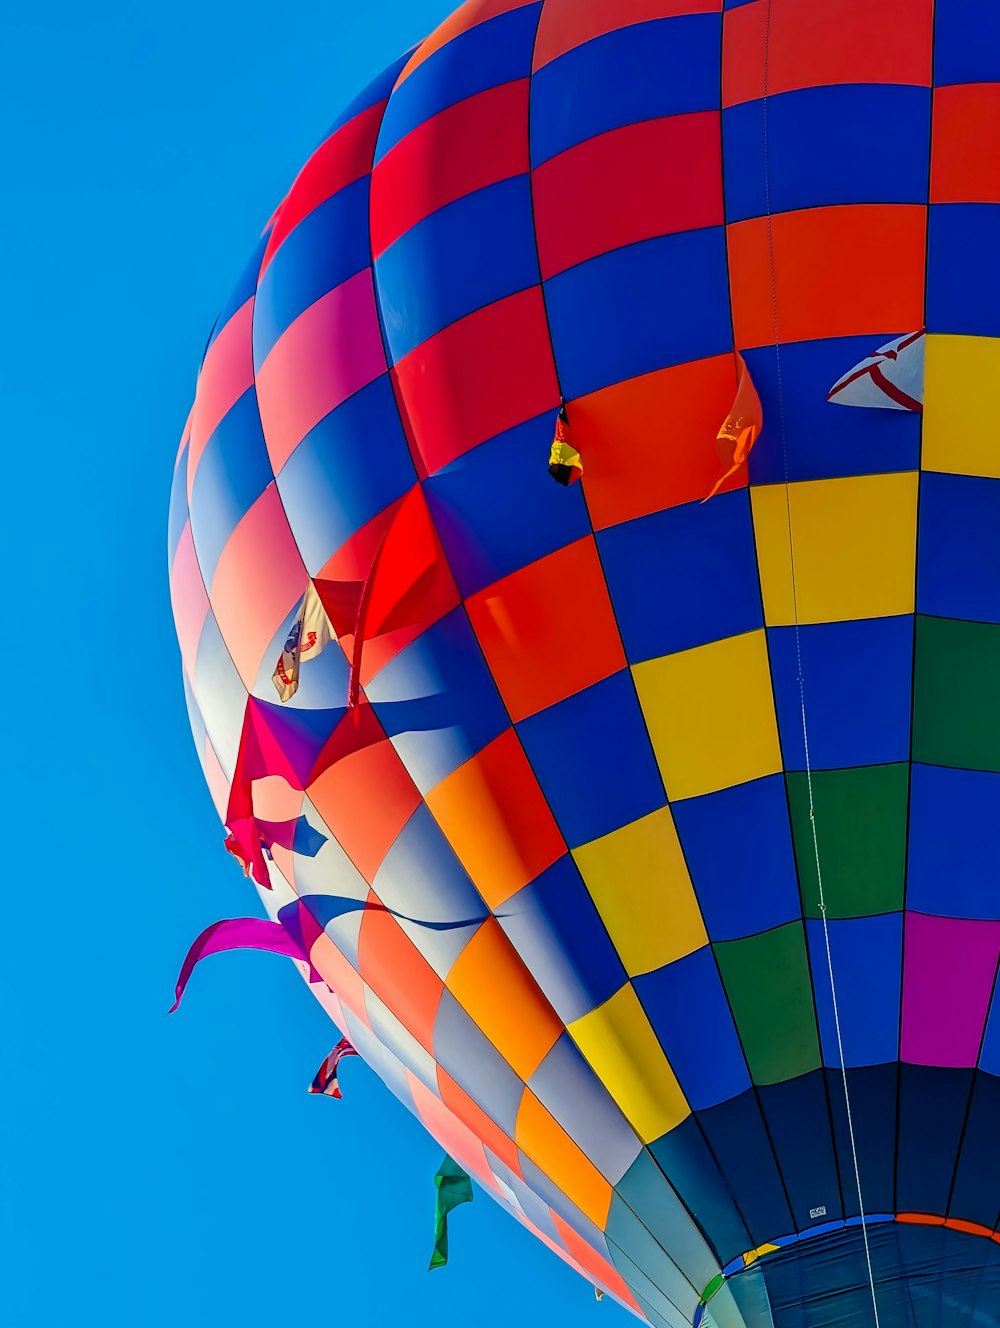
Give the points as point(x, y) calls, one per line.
point(867, 955)
point(857, 691)
point(963, 275)
point(437, 701)
point(797, 1120)
point(649, 305)
point(958, 561)
point(593, 759)
point(683, 577)
point(953, 867)
point(233, 472)
point(687, 1162)
point(806, 437)
point(634, 73)
point(496, 509)
point(966, 42)
point(821, 149)
point(484, 56)
point(687, 1007)
point(462, 257)
point(329, 245)
point(329, 483)
point(736, 1134)
point(556, 929)
point(738, 848)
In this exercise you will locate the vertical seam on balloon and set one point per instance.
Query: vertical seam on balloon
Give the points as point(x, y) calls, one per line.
point(783, 775)
point(801, 678)
point(628, 669)
point(767, 648)
point(913, 671)
point(782, 434)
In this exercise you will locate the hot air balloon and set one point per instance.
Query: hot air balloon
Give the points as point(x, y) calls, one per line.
point(644, 845)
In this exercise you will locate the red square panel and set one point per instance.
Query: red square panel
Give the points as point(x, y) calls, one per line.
point(594, 1263)
point(812, 45)
point(478, 377)
point(965, 138)
point(839, 272)
point(467, 146)
point(650, 443)
point(618, 188)
point(346, 156)
point(548, 630)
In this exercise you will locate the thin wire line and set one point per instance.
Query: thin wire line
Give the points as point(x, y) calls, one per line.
point(801, 677)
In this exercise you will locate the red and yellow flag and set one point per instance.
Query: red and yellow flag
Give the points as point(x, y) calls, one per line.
point(565, 465)
point(742, 425)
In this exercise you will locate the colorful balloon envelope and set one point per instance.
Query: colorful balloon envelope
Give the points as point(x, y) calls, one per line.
point(643, 842)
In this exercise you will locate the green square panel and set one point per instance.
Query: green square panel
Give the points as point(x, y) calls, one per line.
point(769, 988)
point(956, 694)
point(861, 833)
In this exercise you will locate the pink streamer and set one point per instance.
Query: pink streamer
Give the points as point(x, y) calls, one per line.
point(236, 934)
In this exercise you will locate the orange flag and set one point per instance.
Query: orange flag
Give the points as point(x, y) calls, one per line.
point(743, 423)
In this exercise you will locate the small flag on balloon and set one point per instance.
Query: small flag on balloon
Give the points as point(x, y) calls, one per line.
point(454, 1187)
point(742, 425)
point(565, 465)
point(310, 635)
point(325, 1080)
point(891, 379)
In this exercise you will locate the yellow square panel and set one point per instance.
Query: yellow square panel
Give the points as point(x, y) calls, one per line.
point(855, 543)
point(710, 714)
point(638, 879)
point(960, 406)
point(625, 1054)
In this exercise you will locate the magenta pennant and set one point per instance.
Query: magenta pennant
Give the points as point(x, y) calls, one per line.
point(325, 1081)
point(236, 934)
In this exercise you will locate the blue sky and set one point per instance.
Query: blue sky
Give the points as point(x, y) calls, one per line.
point(169, 1171)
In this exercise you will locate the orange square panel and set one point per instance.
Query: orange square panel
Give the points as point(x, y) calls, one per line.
point(399, 975)
point(543, 1139)
point(497, 820)
point(491, 982)
point(548, 630)
point(365, 827)
point(838, 272)
point(650, 443)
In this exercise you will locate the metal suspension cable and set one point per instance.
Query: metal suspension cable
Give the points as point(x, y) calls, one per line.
point(801, 682)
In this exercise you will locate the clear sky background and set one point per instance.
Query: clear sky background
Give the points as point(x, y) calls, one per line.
point(161, 1171)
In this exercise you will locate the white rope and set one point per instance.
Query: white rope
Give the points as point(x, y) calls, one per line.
point(801, 682)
